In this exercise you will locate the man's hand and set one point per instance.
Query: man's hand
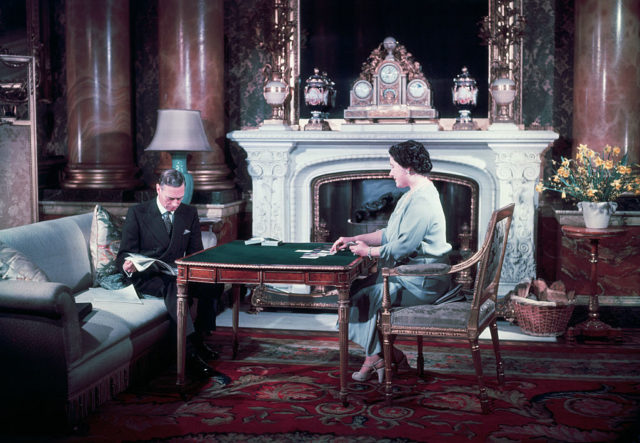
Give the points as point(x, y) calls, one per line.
point(129, 267)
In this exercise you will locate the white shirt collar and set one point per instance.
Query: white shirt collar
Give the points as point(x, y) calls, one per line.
point(162, 208)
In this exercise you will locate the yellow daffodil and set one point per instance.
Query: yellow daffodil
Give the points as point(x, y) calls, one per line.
point(593, 176)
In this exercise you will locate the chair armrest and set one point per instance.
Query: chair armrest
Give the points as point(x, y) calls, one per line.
point(421, 269)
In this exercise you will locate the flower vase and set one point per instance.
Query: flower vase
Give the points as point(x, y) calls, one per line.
point(597, 214)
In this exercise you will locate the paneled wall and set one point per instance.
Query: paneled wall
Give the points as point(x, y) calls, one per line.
point(16, 168)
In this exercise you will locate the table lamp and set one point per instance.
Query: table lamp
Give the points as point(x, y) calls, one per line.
point(180, 131)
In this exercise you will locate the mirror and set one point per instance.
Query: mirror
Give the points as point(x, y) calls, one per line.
point(442, 36)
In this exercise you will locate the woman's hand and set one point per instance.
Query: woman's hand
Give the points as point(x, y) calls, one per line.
point(342, 243)
point(359, 248)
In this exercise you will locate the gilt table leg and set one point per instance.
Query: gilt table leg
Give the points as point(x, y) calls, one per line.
point(236, 318)
point(182, 339)
point(343, 331)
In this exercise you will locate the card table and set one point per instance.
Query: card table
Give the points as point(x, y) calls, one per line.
point(239, 264)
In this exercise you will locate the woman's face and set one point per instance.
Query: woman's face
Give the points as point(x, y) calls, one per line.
point(399, 174)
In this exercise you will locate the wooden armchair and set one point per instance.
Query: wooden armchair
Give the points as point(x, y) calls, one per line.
point(464, 319)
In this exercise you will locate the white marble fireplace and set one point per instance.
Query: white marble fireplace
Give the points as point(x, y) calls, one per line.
point(504, 163)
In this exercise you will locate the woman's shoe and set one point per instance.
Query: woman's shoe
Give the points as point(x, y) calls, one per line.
point(371, 368)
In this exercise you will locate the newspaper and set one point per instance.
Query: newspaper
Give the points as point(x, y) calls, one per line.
point(142, 262)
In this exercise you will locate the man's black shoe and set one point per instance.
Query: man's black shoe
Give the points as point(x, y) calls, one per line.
point(198, 368)
point(204, 351)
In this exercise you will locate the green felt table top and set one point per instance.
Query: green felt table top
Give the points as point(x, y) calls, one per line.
point(288, 254)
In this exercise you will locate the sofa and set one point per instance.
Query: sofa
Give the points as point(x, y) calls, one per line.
point(55, 363)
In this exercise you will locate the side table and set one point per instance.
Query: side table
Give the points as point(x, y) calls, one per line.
point(593, 326)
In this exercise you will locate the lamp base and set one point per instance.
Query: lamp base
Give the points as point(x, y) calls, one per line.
point(179, 163)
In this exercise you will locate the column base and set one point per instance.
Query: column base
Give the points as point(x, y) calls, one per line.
point(100, 178)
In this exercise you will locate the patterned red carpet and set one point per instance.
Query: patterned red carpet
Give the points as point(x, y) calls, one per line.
point(285, 389)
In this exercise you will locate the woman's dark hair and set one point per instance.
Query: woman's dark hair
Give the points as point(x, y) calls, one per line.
point(171, 177)
point(412, 154)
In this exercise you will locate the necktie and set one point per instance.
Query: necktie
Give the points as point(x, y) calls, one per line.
point(166, 217)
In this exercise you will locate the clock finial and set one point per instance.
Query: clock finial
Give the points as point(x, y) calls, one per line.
point(389, 44)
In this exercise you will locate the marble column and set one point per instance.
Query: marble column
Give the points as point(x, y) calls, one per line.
point(99, 96)
point(606, 108)
point(191, 76)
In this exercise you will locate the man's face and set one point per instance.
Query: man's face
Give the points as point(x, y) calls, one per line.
point(170, 196)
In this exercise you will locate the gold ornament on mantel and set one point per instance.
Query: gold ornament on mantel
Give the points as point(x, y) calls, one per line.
point(503, 31)
point(391, 89)
point(275, 92)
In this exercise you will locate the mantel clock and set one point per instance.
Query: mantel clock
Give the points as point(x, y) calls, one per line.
point(391, 89)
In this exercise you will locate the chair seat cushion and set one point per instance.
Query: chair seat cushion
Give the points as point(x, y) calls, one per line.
point(448, 315)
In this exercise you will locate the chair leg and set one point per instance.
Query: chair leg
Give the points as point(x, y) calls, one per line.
point(493, 327)
point(420, 360)
point(477, 362)
point(387, 342)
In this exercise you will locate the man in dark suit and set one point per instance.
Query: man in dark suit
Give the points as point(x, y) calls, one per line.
point(165, 229)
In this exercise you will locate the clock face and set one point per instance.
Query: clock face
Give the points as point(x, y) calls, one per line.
point(417, 88)
point(362, 89)
point(389, 74)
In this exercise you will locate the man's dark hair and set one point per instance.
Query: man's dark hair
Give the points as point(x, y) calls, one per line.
point(171, 177)
point(412, 154)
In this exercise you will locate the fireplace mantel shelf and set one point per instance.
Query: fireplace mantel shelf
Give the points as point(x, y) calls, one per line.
point(505, 164)
point(386, 134)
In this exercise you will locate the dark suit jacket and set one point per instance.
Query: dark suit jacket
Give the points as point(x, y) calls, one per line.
point(144, 233)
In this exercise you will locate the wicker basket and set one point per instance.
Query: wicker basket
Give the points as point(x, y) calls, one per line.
point(542, 318)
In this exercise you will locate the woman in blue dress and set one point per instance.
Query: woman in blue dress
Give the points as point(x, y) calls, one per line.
point(415, 234)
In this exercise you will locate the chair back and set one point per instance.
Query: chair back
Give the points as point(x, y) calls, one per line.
point(490, 258)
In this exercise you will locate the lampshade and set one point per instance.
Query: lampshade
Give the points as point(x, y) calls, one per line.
point(179, 130)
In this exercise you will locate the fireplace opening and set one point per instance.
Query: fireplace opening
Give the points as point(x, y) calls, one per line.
point(359, 202)
point(347, 204)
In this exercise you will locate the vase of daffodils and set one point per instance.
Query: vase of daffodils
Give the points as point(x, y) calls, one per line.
point(595, 180)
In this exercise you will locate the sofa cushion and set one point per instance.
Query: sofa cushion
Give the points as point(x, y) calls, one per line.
point(114, 334)
point(59, 247)
point(104, 243)
point(14, 265)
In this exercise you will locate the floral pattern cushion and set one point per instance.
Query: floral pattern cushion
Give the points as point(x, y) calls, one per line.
point(14, 265)
point(104, 243)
